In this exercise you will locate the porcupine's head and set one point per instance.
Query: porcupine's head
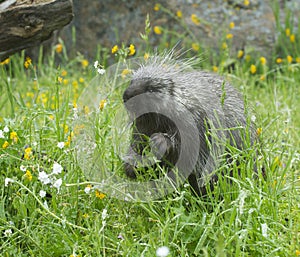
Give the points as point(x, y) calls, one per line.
point(154, 84)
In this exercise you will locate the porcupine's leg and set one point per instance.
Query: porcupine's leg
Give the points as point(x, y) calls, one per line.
point(160, 144)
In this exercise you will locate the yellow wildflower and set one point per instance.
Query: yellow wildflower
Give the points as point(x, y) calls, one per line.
point(224, 46)
point(146, 56)
point(6, 61)
point(289, 59)
point(64, 73)
point(84, 63)
point(298, 59)
point(28, 175)
point(114, 49)
point(195, 19)
point(262, 77)
point(51, 117)
point(292, 38)
point(297, 252)
point(58, 48)
point(157, 30)
point(27, 62)
point(131, 50)
point(229, 36)
point(86, 109)
point(65, 82)
point(231, 25)
point(246, 2)
point(81, 80)
point(278, 60)
point(13, 136)
point(156, 7)
point(277, 161)
point(215, 68)
point(102, 104)
point(59, 79)
point(5, 145)
point(195, 47)
point(287, 32)
point(99, 194)
point(248, 57)
point(259, 131)
point(28, 153)
point(263, 60)
point(75, 84)
point(240, 54)
point(85, 215)
point(179, 14)
point(125, 72)
point(253, 69)
point(66, 128)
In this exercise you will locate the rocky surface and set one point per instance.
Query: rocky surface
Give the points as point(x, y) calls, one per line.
point(110, 22)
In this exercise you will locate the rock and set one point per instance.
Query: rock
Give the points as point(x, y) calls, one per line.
point(110, 22)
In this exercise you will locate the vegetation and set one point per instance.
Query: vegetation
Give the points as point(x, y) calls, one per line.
point(48, 206)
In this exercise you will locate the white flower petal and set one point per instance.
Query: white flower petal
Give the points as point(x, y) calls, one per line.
point(61, 145)
point(104, 214)
point(100, 71)
point(7, 232)
point(23, 168)
point(42, 193)
point(162, 251)
point(57, 184)
point(57, 168)
point(44, 177)
point(1, 134)
point(87, 190)
point(7, 181)
point(96, 64)
point(6, 129)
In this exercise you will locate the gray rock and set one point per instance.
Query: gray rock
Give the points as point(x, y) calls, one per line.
point(110, 22)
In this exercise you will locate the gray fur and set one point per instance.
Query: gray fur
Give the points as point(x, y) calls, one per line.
point(205, 95)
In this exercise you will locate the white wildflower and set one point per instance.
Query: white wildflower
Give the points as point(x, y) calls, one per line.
point(104, 214)
point(6, 129)
point(1, 134)
point(57, 184)
point(162, 251)
point(23, 168)
point(264, 229)
point(42, 193)
point(57, 168)
point(100, 71)
point(96, 63)
point(46, 205)
point(87, 189)
point(7, 232)
point(44, 178)
point(60, 145)
point(7, 181)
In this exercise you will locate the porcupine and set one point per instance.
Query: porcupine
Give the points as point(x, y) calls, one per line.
point(210, 102)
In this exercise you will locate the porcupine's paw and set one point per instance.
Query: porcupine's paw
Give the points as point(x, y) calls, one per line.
point(160, 145)
point(130, 170)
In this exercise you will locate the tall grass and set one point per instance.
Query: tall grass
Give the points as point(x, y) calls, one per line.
point(241, 216)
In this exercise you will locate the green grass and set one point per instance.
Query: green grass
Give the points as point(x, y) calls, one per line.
point(229, 221)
